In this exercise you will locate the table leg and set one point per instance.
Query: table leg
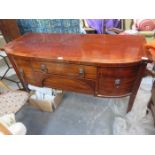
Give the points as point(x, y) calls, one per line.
point(136, 85)
point(20, 74)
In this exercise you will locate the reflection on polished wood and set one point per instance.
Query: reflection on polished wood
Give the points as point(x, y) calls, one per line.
point(102, 65)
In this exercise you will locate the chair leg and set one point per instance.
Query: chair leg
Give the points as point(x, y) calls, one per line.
point(2, 84)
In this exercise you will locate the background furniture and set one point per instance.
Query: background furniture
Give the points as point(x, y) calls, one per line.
point(126, 24)
point(149, 35)
point(4, 130)
point(9, 125)
point(112, 30)
point(90, 29)
point(86, 27)
point(8, 73)
point(102, 26)
point(11, 101)
point(9, 30)
point(81, 63)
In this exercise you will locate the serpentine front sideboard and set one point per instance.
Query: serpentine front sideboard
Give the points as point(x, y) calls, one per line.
point(101, 65)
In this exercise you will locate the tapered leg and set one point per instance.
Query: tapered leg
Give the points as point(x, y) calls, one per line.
point(140, 74)
point(20, 74)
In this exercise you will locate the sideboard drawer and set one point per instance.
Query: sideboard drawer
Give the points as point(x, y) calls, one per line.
point(116, 81)
point(66, 83)
point(65, 69)
point(118, 71)
point(115, 86)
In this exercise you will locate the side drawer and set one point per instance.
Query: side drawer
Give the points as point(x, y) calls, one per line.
point(117, 81)
point(65, 69)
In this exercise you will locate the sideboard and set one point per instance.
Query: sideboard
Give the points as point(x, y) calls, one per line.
point(100, 65)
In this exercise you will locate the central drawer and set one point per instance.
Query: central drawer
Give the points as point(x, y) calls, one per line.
point(65, 69)
point(70, 84)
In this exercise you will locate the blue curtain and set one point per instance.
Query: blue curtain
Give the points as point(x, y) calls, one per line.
point(49, 25)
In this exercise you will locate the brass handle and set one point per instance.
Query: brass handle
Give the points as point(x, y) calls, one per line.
point(81, 71)
point(21, 71)
point(43, 68)
point(117, 83)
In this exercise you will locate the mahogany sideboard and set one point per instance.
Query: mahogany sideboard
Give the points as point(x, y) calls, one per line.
point(101, 65)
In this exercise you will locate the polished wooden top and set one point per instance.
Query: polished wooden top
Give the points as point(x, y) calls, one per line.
point(94, 48)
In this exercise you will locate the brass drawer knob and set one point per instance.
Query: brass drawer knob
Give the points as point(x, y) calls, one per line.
point(117, 83)
point(43, 68)
point(21, 71)
point(81, 71)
